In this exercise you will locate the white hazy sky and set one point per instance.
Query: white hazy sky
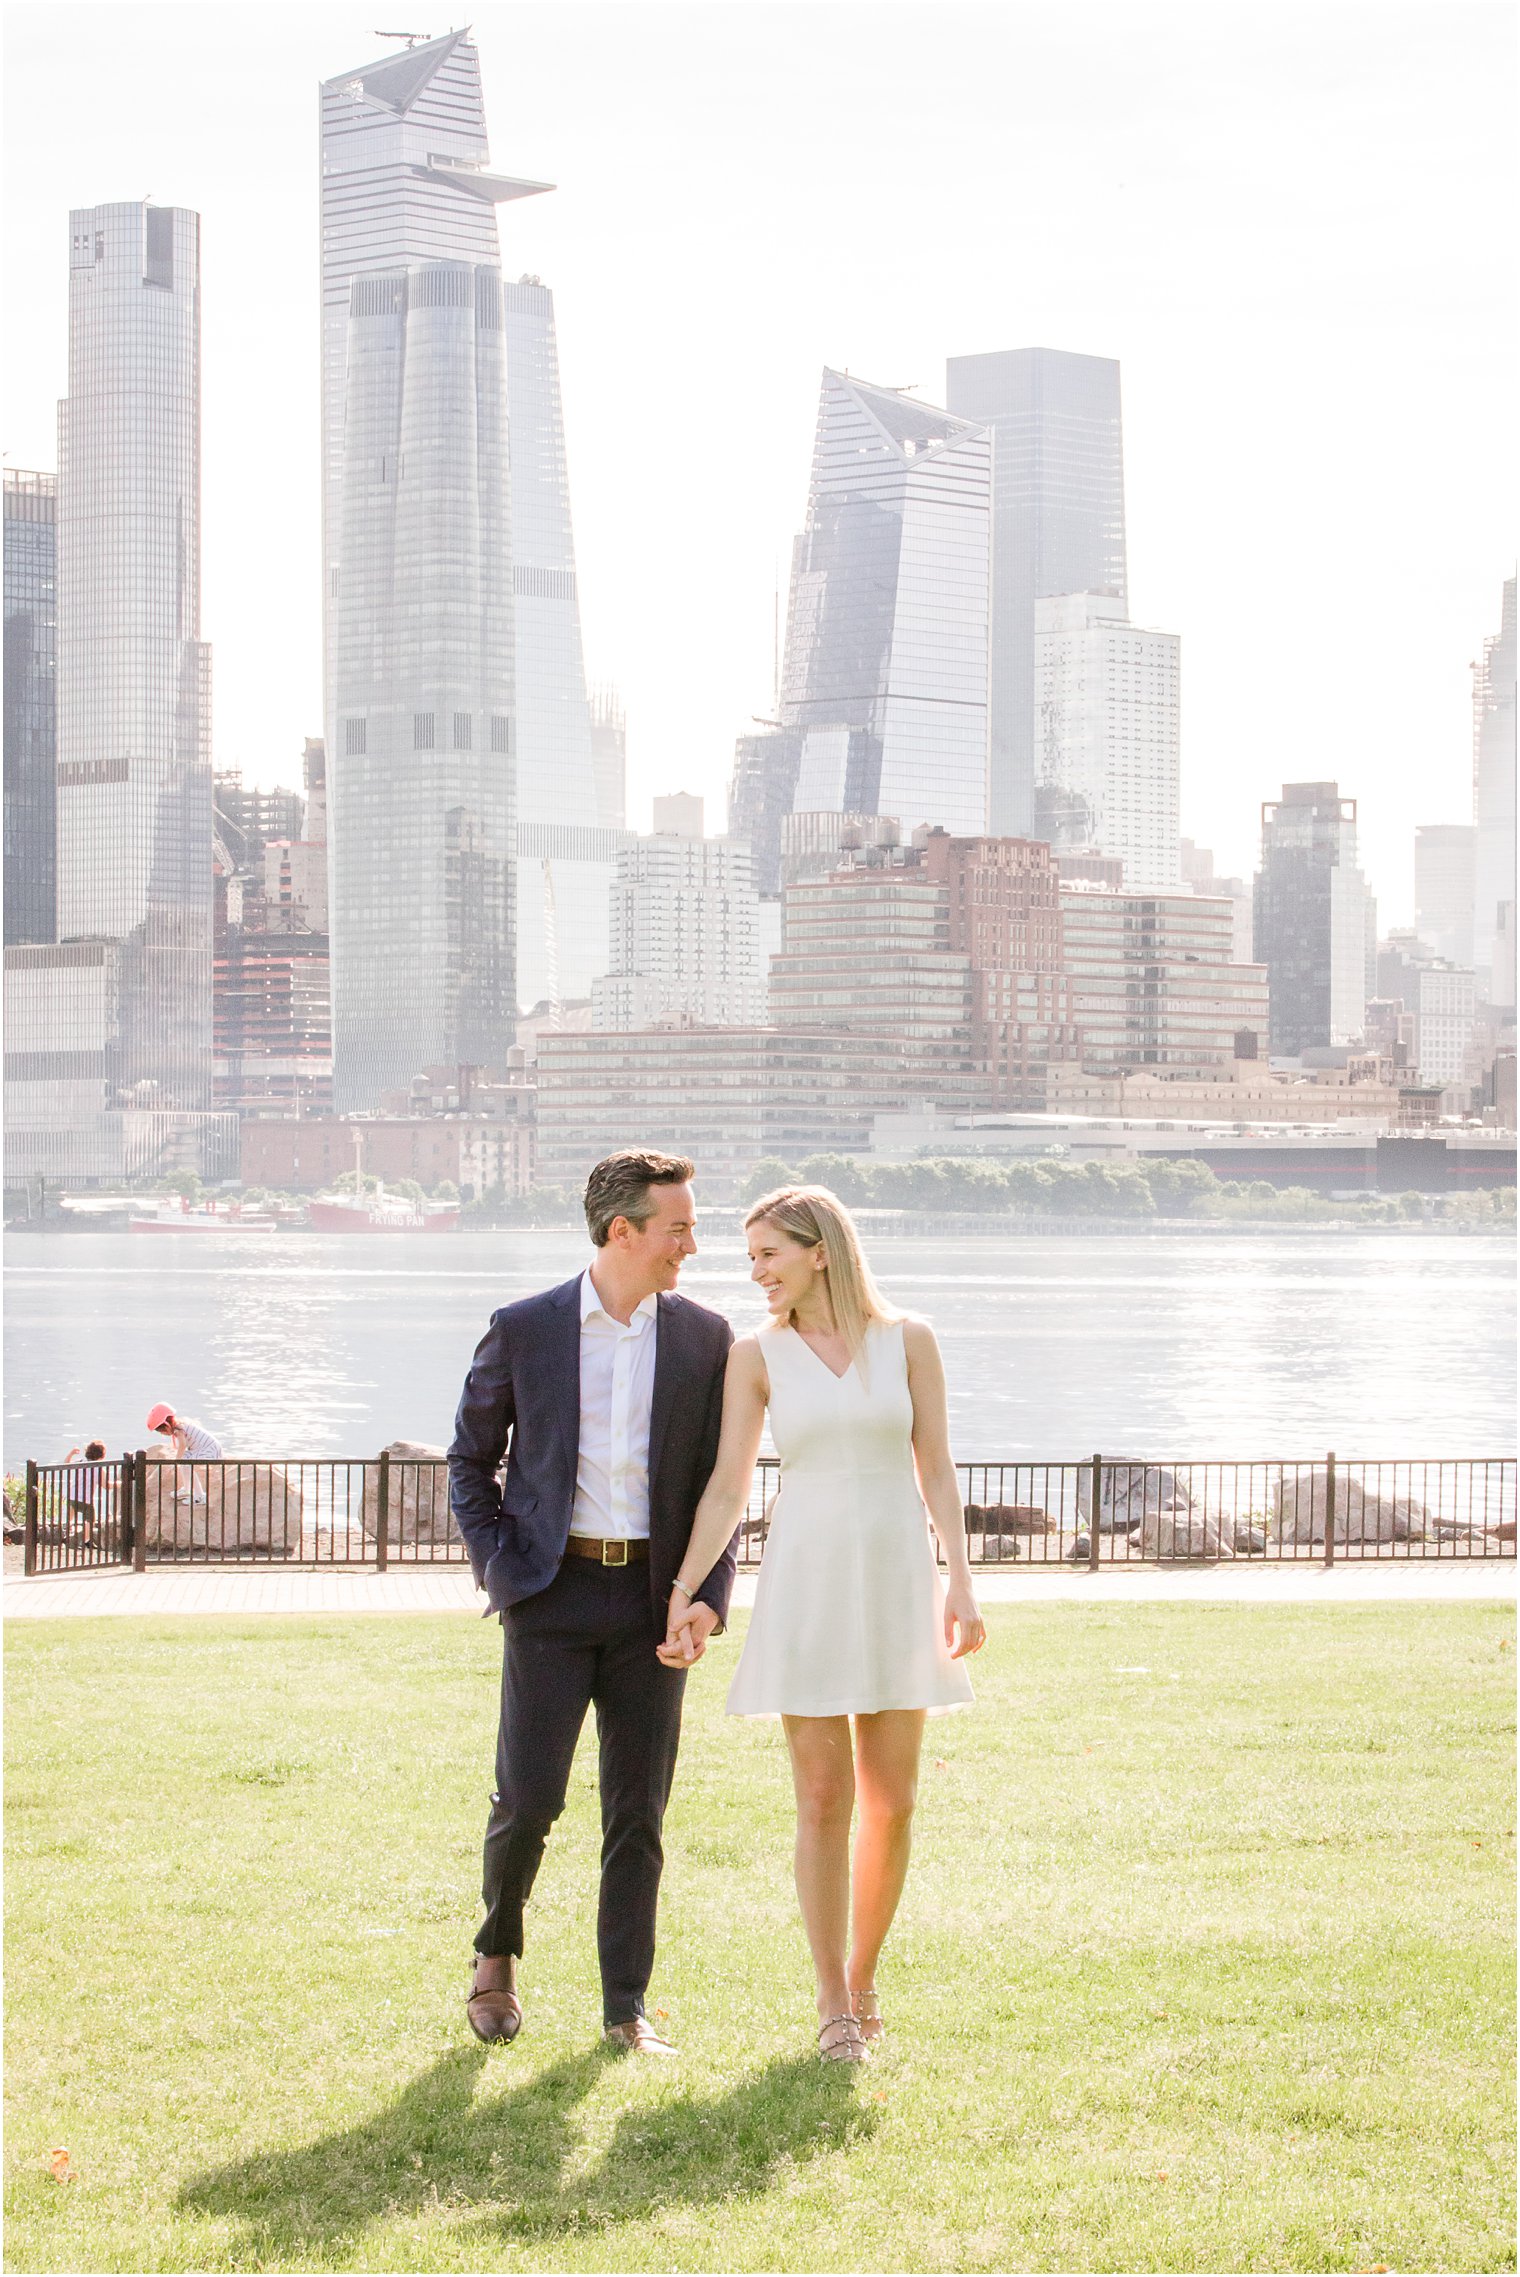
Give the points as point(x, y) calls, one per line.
point(1291, 223)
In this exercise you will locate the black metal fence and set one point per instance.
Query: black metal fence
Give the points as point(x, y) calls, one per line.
point(390, 1510)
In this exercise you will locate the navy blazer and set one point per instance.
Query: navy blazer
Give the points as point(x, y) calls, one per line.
point(522, 1395)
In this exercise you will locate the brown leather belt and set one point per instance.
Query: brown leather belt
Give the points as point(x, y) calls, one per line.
point(620, 1552)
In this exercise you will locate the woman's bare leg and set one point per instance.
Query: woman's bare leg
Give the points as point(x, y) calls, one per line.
point(823, 1775)
point(886, 1776)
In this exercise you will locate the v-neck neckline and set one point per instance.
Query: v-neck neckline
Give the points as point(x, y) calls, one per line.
point(818, 1356)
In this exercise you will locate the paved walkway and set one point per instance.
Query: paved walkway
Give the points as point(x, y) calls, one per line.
point(447, 1589)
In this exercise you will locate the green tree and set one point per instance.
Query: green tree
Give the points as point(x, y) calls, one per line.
point(841, 1173)
point(355, 1182)
point(445, 1191)
point(1411, 1205)
point(974, 1185)
point(1182, 1186)
point(181, 1182)
point(765, 1178)
point(1028, 1185)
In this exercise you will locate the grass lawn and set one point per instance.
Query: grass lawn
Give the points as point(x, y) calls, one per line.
point(1204, 1964)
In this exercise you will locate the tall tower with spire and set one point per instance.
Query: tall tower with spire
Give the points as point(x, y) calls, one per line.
point(426, 675)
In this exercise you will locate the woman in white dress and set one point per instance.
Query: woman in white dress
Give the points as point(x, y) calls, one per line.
point(850, 1620)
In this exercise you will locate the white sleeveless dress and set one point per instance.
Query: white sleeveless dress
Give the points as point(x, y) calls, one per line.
point(849, 1609)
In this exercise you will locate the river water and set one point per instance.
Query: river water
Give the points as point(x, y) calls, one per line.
point(1186, 1348)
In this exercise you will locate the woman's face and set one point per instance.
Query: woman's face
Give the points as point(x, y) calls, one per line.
point(783, 1269)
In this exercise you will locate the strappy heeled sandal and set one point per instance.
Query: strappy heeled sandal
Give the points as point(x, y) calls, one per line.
point(848, 2048)
point(867, 2007)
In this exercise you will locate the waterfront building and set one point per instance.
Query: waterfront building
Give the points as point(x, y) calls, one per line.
point(1057, 527)
point(950, 947)
point(1311, 919)
point(479, 1139)
point(418, 585)
point(1155, 984)
point(1197, 865)
point(884, 683)
point(727, 1097)
point(1493, 948)
point(31, 723)
point(566, 846)
point(1003, 899)
point(1108, 737)
point(867, 951)
point(685, 929)
point(1445, 1008)
point(609, 757)
point(1445, 888)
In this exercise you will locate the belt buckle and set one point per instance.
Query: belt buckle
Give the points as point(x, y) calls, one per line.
point(622, 1553)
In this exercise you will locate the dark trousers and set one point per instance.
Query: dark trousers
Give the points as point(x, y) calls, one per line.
point(588, 1639)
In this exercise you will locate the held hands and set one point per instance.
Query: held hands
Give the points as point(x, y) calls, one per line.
point(961, 1613)
point(688, 1625)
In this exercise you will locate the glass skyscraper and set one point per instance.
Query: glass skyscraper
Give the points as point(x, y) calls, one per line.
point(31, 727)
point(1494, 808)
point(418, 558)
point(884, 687)
point(1057, 527)
point(567, 846)
point(134, 703)
point(1311, 919)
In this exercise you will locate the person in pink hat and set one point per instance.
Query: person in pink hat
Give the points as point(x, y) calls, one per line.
point(192, 1442)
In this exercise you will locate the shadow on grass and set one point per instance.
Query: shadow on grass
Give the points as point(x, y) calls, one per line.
point(438, 2148)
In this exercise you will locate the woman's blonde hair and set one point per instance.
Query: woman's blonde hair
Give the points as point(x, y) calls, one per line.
point(812, 1215)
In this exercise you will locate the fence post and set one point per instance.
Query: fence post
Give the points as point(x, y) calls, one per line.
point(1330, 1509)
point(126, 1525)
point(29, 1554)
point(140, 1510)
point(383, 1515)
point(1094, 1514)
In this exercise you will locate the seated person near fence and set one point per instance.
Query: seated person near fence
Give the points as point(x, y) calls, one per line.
point(192, 1442)
point(189, 1442)
point(87, 1485)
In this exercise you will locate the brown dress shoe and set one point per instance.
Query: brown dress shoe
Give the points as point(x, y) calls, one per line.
point(495, 2014)
point(638, 2037)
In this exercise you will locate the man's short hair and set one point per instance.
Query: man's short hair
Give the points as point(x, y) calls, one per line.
point(619, 1187)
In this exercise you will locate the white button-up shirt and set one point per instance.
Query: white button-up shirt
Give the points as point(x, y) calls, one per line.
point(617, 1392)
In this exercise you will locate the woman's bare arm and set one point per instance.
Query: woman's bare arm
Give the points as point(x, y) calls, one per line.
point(727, 1491)
point(938, 1483)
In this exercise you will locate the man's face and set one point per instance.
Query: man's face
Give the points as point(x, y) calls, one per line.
point(659, 1247)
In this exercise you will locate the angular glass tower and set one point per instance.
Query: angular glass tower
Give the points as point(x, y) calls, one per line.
point(566, 851)
point(31, 729)
point(1057, 527)
point(134, 701)
point(420, 663)
point(885, 678)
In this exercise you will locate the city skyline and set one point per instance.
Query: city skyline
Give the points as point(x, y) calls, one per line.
point(1255, 616)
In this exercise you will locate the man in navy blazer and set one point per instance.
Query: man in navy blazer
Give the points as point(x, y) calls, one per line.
point(606, 1396)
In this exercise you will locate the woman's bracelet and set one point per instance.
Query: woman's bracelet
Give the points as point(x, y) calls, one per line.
point(688, 1594)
